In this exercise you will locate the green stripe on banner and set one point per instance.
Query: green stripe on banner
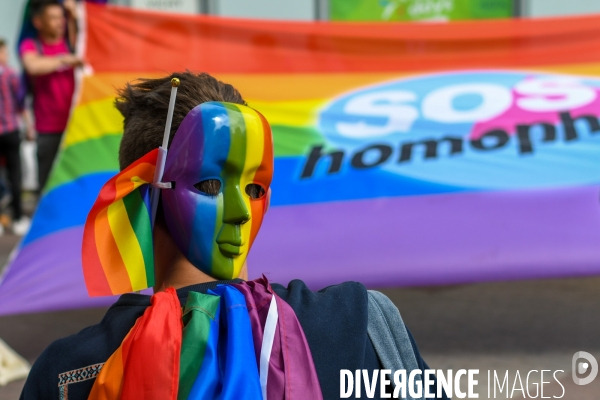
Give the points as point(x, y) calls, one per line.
point(139, 217)
point(289, 141)
point(199, 314)
point(96, 155)
point(101, 154)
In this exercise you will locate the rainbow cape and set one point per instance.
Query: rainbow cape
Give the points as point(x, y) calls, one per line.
point(117, 251)
point(239, 341)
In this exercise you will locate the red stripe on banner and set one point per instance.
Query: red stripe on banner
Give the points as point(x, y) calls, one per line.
point(154, 41)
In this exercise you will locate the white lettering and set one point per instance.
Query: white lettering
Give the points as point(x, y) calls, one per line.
point(370, 385)
point(384, 382)
point(563, 388)
point(457, 391)
point(428, 381)
point(472, 382)
point(553, 94)
point(443, 383)
point(542, 384)
point(346, 383)
point(504, 382)
point(413, 383)
point(387, 104)
point(438, 105)
point(517, 376)
point(527, 385)
point(400, 384)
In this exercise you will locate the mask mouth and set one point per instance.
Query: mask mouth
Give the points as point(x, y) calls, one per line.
point(230, 250)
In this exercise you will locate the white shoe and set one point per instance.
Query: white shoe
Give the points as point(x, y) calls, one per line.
point(21, 226)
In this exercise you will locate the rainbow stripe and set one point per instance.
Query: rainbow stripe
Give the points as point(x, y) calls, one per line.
point(117, 251)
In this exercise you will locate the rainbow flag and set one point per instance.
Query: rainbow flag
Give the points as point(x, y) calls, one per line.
point(405, 154)
point(236, 341)
point(117, 253)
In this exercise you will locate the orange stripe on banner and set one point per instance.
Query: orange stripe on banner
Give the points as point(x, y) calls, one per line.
point(264, 87)
point(112, 263)
point(298, 86)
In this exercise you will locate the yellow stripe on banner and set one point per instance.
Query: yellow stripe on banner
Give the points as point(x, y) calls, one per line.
point(93, 120)
point(299, 113)
point(128, 245)
point(100, 118)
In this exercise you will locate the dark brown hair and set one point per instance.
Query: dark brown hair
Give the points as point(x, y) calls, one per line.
point(2, 43)
point(38, 7)
point(144, 105)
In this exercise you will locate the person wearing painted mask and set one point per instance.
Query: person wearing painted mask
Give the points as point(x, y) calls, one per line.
point(215, 195)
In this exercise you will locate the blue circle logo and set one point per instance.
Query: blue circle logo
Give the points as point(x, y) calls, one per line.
point(467, 130)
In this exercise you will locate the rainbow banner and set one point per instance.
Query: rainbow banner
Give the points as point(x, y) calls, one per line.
point(405, 154)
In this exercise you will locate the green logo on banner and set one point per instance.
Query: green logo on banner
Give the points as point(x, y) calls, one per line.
point(419, 10)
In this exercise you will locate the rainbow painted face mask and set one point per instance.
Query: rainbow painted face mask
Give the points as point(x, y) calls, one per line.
point(221, 166)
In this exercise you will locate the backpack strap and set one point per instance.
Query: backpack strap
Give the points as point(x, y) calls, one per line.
point(389, 336)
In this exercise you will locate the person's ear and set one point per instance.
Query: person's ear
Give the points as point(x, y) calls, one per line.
point(268, 200)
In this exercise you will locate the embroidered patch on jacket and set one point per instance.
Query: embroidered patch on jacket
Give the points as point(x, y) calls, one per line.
point(76, 375)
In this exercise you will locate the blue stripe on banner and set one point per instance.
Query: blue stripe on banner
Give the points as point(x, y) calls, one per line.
point(66, 206)
point(348, 184)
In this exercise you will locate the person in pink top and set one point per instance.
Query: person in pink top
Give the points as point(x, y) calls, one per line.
point(49, 63)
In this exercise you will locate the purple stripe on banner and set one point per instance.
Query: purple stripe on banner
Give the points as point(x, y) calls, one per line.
point(408, 241)
point(433, 240)
point(43, 279)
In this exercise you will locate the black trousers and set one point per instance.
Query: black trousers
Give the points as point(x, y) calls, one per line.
point(47, 147)
point(10, 148)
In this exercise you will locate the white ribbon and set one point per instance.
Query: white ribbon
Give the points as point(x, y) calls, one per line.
point(267, 345)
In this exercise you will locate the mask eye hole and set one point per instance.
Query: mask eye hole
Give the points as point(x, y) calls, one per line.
point(209, 187)
point(255, 191)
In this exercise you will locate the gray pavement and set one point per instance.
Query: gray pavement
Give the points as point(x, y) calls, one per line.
point(503, 326)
